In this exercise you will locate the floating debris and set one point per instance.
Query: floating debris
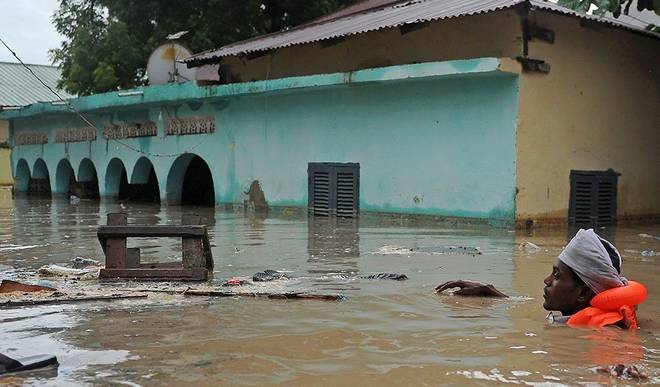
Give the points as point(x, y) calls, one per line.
point(394, 250)
point(268, 275)
point(15, 294)
point(61, 271)
point(236, 282)
point(389, 276)
point(433, 250)
point(620, 370)
point(269, 295)
point(61, 298)
point(8, 286)
point(650, 253)
point(81, 263)
point(460, 250)
point(648, 236)
point(529, 247)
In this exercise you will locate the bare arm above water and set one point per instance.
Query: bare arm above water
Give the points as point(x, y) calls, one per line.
point(470, 288)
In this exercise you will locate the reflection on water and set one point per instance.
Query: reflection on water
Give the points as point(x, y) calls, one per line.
point(334, 247)
point(387, 332)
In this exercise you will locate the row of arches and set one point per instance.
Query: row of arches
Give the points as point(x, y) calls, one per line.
point(189, 181)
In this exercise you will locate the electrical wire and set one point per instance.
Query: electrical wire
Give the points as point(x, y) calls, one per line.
point(88, 122)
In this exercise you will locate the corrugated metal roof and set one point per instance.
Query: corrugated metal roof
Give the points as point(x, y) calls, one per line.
point(394, 15)
point(19, 88)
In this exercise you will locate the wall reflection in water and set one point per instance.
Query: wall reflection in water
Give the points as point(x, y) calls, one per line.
point(333, 246)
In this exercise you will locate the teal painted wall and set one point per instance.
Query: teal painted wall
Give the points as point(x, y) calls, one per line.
point(441, 145)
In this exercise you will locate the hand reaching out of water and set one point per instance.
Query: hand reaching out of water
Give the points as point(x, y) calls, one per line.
point(470, 288)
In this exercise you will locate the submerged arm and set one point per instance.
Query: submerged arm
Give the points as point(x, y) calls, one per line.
point(470, 288)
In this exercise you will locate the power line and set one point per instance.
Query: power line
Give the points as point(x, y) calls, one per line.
point(88, 122)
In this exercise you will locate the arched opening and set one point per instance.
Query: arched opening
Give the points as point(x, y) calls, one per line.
point(39, 184)
point(65, 180)
point(21, 176)
point(190, 182)
point(88, 181)
point(198, 184)
point(144, 182)
point(116, 182)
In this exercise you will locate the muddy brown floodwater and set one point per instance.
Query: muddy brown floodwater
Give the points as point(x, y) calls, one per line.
point(385, 333)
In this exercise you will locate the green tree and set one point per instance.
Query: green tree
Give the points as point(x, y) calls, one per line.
point(616, 7)
point(107, 42)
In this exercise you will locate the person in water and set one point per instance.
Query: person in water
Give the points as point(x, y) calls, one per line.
point(589, 265)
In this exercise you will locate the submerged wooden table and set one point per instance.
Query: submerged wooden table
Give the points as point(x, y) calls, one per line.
point(123, 262)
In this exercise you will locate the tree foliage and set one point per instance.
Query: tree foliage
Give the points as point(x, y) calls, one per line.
point(616, 7)
point(108, 42)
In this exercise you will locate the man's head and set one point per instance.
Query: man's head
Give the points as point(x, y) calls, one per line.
point(564, 291)
point(587, 266)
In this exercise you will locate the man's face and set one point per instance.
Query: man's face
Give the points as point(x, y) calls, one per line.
point(562, 292)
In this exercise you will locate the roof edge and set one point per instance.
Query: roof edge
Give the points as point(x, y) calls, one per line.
point(183, 92)
point(215, 55)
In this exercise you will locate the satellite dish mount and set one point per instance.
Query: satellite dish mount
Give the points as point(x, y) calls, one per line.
point(166, 62)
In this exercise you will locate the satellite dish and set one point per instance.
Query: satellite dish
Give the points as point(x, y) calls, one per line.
point(165, 65)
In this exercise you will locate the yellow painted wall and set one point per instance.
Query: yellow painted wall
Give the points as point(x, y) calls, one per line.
point(497, 34)
point(598, 108)
point(5, 165)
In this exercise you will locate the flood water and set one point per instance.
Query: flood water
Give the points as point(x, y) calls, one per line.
point(385, 333)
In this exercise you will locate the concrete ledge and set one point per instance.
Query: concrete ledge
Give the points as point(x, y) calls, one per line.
point(185, 92)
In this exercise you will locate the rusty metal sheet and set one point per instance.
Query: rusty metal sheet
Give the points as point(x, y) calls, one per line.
point(386, 16)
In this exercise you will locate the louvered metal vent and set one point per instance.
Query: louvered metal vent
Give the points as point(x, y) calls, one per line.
point(320, 204)
point(334, 189)
point(593, 198)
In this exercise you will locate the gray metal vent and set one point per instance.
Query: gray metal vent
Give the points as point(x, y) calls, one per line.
point(334, 189)
point(320, 203)
point(593, 198)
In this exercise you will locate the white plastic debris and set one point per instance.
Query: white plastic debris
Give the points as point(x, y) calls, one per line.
point(394, 250)
point(529, 247)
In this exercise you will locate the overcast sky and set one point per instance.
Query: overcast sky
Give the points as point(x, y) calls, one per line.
point(25, 25)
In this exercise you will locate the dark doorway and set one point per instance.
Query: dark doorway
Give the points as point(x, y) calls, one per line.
point(148, 192)
point(39, 184)
point(145, 193)
point(86, 189)
point(198, 184)
point(39, 188)
point(65, 180)
point(124, 189)
point(87, 186)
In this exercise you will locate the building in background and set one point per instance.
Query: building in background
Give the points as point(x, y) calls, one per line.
point(18, 88)
point(507, 112)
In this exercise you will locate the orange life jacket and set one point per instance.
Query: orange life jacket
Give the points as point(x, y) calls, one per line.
point(611, 306)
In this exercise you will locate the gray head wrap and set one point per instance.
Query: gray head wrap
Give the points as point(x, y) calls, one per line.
point(587, 256)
